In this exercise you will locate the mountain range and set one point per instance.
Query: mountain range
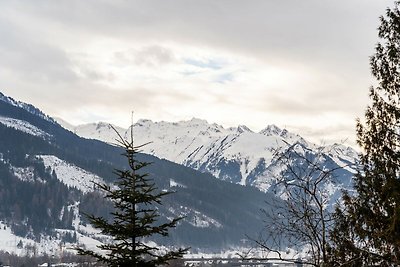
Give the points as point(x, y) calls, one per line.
point(237, 155)
point(223, 177)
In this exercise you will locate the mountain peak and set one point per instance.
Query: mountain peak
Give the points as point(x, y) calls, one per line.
point(243, 129)
point(101, 125)
point(197, 121)
point(271, 130)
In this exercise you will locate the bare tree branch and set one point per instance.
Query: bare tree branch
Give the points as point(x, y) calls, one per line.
point(301, 218)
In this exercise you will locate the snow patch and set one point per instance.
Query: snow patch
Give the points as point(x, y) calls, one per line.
point(24, 174)
point(71, 175)
point(202, 221)
point(195, 218)
point(173, 183)
point(23, 126)
point(24, 246)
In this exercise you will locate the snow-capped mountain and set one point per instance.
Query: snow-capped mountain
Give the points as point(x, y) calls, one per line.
point(46, 175)
point(237, 155)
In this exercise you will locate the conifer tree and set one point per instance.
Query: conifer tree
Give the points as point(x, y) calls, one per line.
point(135, 197)
point(367, 231)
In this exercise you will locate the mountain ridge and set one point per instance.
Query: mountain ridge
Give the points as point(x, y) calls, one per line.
point(28, 107)
point(235, 154)
point(46, 185)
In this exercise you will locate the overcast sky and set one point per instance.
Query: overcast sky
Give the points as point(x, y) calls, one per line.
point(302, 65)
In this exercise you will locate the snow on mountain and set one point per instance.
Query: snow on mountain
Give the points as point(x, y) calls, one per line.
point(64, 124)
point(26, 174)
point(208, 147)
point(55, 245)
point(100, 131)
point(23, 126)
point(195, 218)
point(342, 155)
point(9, 242)
point(173, 183)
point(71, 175)
point(235, 154)
point(273, 130)
point(28, 107)
point(31, 165)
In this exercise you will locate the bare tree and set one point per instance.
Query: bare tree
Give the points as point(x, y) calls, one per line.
point(302, 217)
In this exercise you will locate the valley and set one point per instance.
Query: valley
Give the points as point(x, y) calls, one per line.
point(222, 179)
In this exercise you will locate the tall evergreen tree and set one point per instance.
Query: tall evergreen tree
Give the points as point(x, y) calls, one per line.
point(135, 197)
point(367, 231)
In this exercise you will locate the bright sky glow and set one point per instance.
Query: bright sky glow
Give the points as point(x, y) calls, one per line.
point(302, 65)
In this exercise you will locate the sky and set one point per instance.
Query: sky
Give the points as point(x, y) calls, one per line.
point(301, 65)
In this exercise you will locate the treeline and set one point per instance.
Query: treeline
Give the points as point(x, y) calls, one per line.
point(43, 203)
point(8, 259)
point(15, 145)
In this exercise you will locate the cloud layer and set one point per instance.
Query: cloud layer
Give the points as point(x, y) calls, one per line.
point(298, 64)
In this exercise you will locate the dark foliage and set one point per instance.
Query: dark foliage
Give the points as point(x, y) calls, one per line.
point(367, 231)
point(135, 218)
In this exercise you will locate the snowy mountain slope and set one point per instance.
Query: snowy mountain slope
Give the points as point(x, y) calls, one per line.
point(28, 107)
point(71, 175)
point(237, 155)
point(64, 123)
point(99, 131)
point(23, 126)
point(54, 245)
point(45, 185)
point(200, 145)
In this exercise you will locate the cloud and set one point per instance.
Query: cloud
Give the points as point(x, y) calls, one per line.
point(283, 62)
point(31, 59)
point(152, 55)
